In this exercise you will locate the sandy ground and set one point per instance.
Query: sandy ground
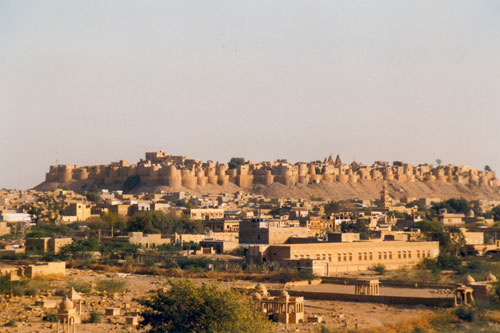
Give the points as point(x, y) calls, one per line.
point(336, 314)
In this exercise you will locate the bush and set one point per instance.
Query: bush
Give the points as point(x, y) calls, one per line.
point(111, 286)
point(291, 275)
point(380, 269)
point(51, 317)
point(192, 264)
point(239, 251)
point(31, 291)
point(187, 307)
point(95, 318)
point(467, 313)
point(80, 286)
point(18, 290)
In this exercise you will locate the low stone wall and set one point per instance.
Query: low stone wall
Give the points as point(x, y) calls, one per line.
point(314, 282)
point(428, 301)
point(398, 284)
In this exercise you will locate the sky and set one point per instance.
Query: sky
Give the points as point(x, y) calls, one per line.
point(90, 82)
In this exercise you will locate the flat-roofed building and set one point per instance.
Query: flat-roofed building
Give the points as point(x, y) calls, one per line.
point(4, 229)
point(145, 240)
point(222, 225)
point(79, 210)
point(345, 257)
point(258, 231)
point(450, 219)
point(207, 214)
point(47, 244)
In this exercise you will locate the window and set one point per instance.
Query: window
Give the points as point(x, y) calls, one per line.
point(399, 254)
point(409, 254)
point(366, 256)
point(360, 256)
point(371, 256)
point(385, 255)
point(345, 256)
point(418, 253)
point(350, 256)
point(404, 254)
point(339, 256)
point(380, 256)
point(390, 255)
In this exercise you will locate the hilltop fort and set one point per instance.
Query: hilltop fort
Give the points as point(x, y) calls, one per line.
point(331, 177)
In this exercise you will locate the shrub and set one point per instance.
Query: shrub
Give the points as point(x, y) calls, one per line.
point(187, 307)
point(380, 269)
point(80, 286)
point(51, 317)
point(111, 286)
point(95, 318)
point(18, 290)
point(239, 251)
point(467, 313)
point(31, 291)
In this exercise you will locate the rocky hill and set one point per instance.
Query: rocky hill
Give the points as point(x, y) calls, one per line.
point(329, 179)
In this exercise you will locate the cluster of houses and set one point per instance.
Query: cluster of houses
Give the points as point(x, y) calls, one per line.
point(296, 233)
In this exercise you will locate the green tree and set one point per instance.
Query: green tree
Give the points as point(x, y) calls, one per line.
point(47, 209)
point(487, 168)
point(114, 221)
point(338, 206)
point(451, 241)
point(93, 194)
point(235, 162)
point(131, 183)
point(454, 205)
point(207, 308)
point(158, 222)
point(494, 213)
point(360, 226)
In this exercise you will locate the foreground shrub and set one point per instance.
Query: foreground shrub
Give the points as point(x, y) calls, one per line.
point(187, 307)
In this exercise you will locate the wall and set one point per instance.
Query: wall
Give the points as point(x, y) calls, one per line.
point(428, 301)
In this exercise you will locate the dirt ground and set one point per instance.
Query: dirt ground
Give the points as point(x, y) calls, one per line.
point(336, 314)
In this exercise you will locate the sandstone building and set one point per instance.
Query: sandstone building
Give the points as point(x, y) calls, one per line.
point(176, 171)
point(326, 258)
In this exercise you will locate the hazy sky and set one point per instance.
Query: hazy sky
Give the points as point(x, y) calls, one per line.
point(89, 82)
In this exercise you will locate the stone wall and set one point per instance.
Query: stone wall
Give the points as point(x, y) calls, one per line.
point(177, 171)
